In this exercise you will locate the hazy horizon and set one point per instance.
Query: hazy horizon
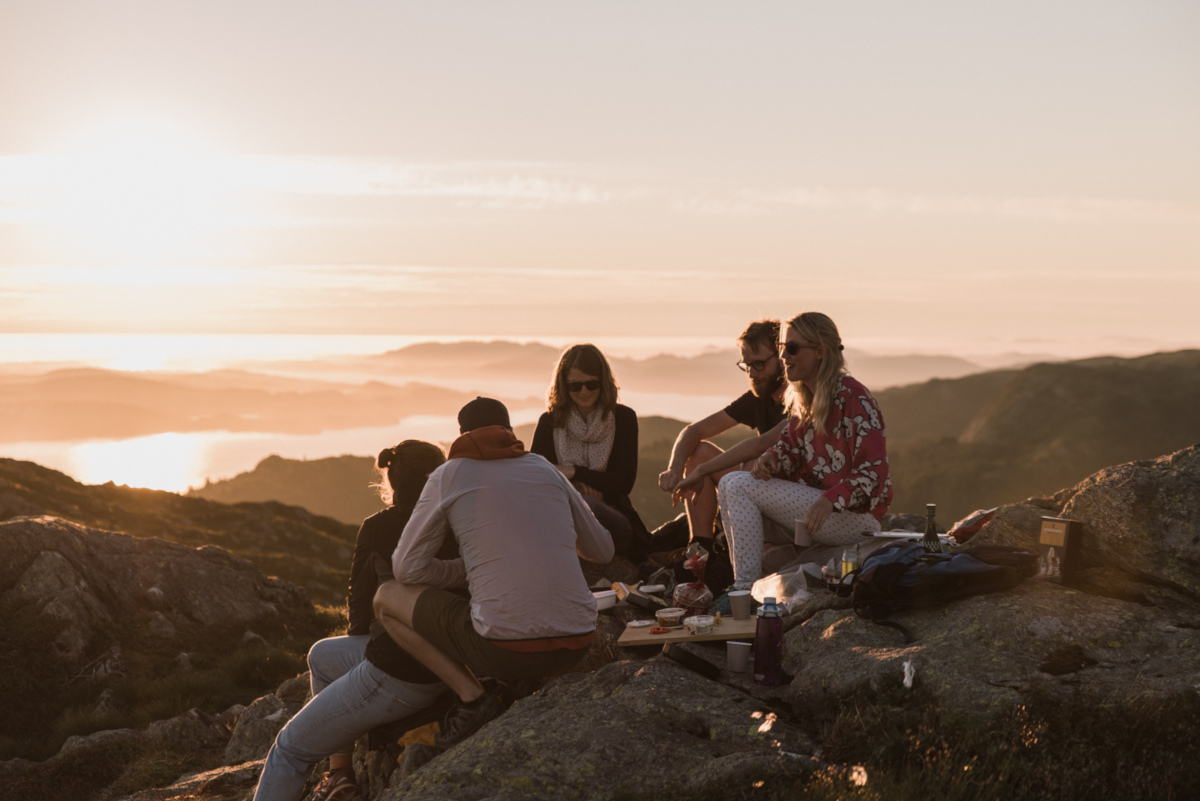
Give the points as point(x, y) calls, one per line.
point(951, 173)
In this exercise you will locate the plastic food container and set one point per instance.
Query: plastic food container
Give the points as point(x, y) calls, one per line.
point(699, 624)
point(671, 617)
point(605, 599)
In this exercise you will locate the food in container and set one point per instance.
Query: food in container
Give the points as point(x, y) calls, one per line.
point(605, 599)
point(671, 617)
point(699, 624)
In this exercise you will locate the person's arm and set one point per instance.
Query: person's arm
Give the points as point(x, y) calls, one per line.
point(359, 599)
point(744, 451)
point(619, 475)
point(543, 438)
point(686, 443)
point(866, 483)
point(414, 560)
point(592, 540)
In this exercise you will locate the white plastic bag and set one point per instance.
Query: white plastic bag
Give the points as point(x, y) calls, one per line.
point(788, 588)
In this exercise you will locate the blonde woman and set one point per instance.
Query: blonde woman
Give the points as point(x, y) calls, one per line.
point(829, 466)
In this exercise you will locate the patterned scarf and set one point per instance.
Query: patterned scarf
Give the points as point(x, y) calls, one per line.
point(587, 444)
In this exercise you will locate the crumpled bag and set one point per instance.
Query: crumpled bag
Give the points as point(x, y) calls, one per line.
point(788, 587)
point(694, 597)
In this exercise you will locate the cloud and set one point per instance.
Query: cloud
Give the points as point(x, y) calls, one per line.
point(1060, 208)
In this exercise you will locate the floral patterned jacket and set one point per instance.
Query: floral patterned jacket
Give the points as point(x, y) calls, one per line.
point(850, 462)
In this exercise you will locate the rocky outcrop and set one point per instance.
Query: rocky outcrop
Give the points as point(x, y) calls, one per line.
point(631, 723)
point(631, 729)
point(1141, 528)
point(85, 579)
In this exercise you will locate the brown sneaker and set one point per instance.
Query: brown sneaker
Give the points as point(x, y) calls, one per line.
point(337, 785)
point(463, 720)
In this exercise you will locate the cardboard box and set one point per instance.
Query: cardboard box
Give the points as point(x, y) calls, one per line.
point(1059, 543)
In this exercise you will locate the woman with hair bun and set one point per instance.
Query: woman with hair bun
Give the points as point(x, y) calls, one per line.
point(593, 441)
point(828, 468)
point(362, 679)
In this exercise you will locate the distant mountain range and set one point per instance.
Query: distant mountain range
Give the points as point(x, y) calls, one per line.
point(965, 443)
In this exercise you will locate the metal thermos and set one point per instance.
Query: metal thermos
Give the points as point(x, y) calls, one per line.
point(768, 644)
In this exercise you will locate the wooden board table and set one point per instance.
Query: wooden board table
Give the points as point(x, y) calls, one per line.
point(729, 629)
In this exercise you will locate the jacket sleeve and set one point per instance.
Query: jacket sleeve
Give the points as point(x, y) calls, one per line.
point(543, 439)
point(620, 474)
point(363, 582)
point(415, 559)
point(866, 485)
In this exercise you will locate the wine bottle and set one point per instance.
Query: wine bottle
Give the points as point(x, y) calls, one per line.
point(930, 541)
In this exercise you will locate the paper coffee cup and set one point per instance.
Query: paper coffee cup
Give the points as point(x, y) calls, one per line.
point(737, 656)
point(802, 536)
point(739, 601)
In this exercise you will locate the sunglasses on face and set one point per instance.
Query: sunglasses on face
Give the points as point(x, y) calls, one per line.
point(579, 386)
point(757, 366)
point(792, 348)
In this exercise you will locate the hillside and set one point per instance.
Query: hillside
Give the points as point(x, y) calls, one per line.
point(963, 443)
point(285, 541)
point(999, 437)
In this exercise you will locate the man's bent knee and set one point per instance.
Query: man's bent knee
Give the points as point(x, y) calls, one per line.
point(397, 600)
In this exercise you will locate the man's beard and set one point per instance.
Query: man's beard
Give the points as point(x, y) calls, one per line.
point(768, 386)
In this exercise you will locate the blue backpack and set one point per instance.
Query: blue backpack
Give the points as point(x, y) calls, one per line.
point(900, 575)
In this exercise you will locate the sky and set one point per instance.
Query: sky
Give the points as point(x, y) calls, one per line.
point(1016, 175)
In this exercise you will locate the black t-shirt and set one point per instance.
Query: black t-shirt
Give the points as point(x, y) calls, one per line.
point(761, 414)
point(371, 567)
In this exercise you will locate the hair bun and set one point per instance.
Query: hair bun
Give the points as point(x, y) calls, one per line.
point(386, 457)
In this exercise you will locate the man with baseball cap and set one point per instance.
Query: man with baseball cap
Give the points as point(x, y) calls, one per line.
point(520, 528)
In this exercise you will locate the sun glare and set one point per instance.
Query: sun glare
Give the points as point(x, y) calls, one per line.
point(137, 194)
point(161, 461)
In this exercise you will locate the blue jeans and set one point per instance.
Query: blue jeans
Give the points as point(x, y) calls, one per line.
point(333, 657)
point(345, 708)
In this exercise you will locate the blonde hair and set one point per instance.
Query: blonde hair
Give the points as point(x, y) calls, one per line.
point(814, 403)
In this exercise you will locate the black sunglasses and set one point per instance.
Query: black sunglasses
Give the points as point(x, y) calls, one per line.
point(792, 348)
point(757, 366)
point(579, 386)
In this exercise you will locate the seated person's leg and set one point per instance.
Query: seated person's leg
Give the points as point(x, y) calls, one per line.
point(779, 545)
point(744, 501)
point(331, 658)
point(394, 605)
point(330, 723)
point(701, 507)
point(618, 525)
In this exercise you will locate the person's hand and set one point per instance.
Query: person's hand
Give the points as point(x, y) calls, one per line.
point(588, 492)
point(817, 514)
point(668, 480)
point(765, 466)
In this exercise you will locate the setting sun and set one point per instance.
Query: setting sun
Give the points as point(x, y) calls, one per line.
point(136, 194)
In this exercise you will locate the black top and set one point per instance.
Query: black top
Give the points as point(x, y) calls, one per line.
point(371, 566)
point(761, 414)
point(616, 480)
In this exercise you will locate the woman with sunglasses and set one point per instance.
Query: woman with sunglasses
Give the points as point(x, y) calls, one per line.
point(829, 466)
point(593, 441)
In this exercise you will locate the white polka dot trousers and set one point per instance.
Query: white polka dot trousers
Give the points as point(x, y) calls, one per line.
point(745, 500)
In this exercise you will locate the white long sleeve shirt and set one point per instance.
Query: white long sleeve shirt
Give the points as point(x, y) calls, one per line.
point(520, 527)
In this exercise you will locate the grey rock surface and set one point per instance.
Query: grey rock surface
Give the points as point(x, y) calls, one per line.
point(86, 578)
point(256, 728)
point(630, 729)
